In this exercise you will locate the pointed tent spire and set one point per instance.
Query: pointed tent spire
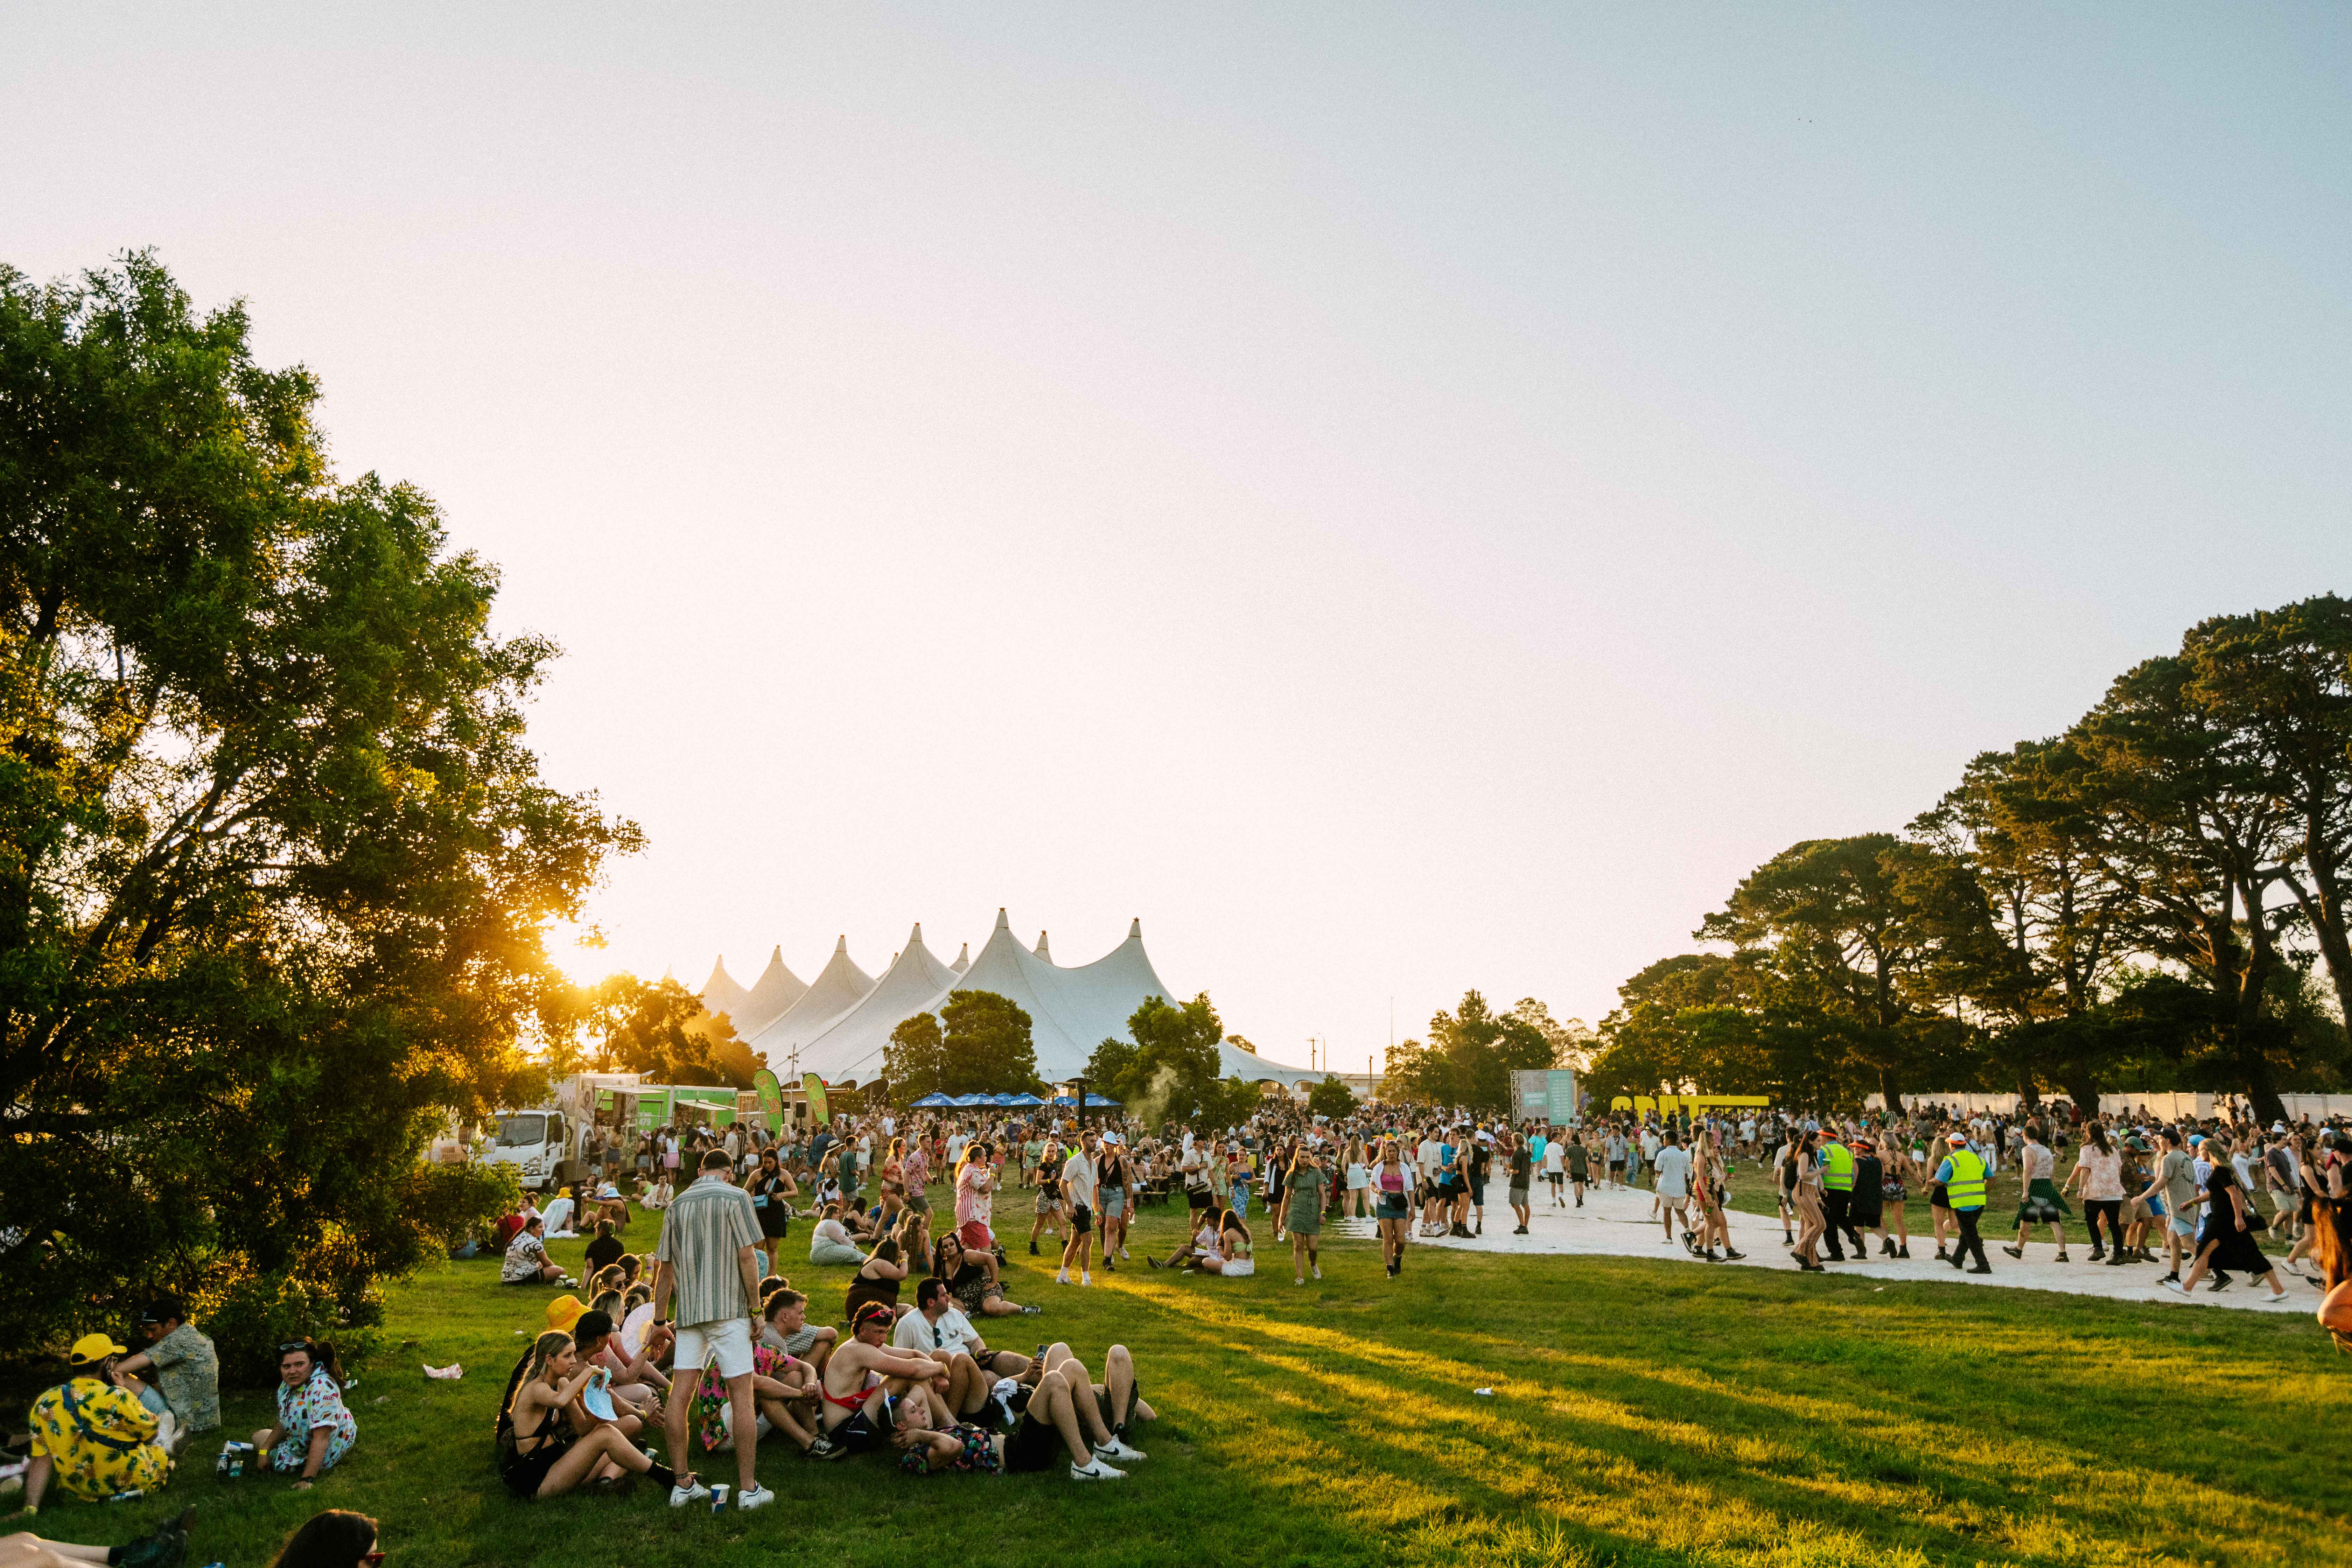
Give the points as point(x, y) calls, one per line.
point(842, 947)
point(963, 959)
point(1041, 950)
point(1135, 928)
point(1001, 923)
point(669, 973)
point(915, 937)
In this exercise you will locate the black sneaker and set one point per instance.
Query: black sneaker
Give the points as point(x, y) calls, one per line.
point(2017, 1252)
point(1980, 1269)
point(1032, 1250)
point(827, 1449)
point(1731, 1257)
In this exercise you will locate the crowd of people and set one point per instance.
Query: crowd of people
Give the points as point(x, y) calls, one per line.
point(705, 1339)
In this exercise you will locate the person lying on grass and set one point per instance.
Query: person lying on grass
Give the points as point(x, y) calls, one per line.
point(540, 1453)
point(857, 1377)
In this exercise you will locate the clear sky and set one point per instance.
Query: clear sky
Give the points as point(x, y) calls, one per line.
point(1398, 499)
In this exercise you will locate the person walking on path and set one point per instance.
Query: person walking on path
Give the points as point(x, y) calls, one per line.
point(1392, 1181)
point(2040, 1203)
point(2225, 1239)
point(1963, 1174)
point(705, 1279)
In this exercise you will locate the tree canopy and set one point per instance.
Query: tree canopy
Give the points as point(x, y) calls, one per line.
point(277, 861)
point(2153, 899)
point(985, 1047)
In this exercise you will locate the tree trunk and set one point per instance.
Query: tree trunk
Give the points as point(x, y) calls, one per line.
point(1889, 1092)
point(2082, 1087)
point(2028, 1093)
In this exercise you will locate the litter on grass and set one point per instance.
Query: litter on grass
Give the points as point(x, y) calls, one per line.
point(451, 1373)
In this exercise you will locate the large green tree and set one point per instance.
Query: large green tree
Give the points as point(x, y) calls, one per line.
point(988, 1045)
point(1167, 1069)
point(275, 859)
point(1854, 928)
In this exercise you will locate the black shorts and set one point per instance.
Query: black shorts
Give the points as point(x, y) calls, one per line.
point(857, 1435)
point(1082, 1219)
point(1556, 1177)
point(1199, 1198)
point(1032, 1445)
point(1102, 1407)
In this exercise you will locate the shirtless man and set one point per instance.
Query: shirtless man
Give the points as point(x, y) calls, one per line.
point(857, 1376)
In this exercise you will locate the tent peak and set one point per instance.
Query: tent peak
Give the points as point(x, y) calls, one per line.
point(1135, 926)
point(1001, 923)
point(1042, 950)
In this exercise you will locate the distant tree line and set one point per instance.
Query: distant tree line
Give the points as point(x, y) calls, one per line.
point(2155, 899)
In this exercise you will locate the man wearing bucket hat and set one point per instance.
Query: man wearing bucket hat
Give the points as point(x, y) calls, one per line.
point(92, 1437)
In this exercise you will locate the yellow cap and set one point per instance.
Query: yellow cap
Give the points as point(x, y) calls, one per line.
point(564, 1311)
point(91, 1349)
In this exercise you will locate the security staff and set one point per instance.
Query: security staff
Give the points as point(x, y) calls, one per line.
point(1963, 1174)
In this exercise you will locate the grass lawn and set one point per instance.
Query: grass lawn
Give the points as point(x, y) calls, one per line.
point(1643, 1412)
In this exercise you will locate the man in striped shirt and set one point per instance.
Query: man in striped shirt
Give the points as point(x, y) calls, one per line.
point(706, 1258)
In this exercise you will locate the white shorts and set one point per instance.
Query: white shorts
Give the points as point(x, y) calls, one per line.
point(727, 1342)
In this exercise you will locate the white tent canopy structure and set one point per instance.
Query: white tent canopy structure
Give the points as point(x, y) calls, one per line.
point(776, 989)
point(1071, 1011)
point(720, 994)
point(837, 988)
point(839, 1024)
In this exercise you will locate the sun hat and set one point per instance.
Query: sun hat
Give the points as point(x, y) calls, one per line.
point(563, 1312)
point(91, 1349)
point(1957, 1138)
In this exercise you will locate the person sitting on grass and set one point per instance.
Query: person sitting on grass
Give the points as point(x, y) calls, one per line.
point(972, 1280)
point(606, 1251)
point(830, 1242)
point(789, 1332)
point(636, 1397)
point(540, 1456)
point(92, 1435)
point(186, 1365)
point(166, 1546)
point(938, 1329)
point(783, 1399)
point(1221, 1246)
point(856, 1378)
point(527, 1262)
point(315, 1428)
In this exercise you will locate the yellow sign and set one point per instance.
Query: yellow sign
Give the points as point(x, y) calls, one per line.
point(1669, 1104)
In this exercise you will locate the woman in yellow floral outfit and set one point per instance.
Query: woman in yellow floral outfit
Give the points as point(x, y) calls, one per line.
point(94, 1438)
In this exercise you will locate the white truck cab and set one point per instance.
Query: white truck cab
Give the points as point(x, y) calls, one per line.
point(543, 1143)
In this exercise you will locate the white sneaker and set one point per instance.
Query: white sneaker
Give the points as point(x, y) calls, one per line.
point(681, 1496)
point(1062, 1277)
point(1097, 1471)
point(2276, 1296)
point(1117, 1449)
point(1084, 1277)
point(758, 1497)
point(1316, 1271)
point(2174, 1286)
point(1125, 1256)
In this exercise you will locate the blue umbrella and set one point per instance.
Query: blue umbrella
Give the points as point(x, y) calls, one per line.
point(1024, 1098)
point(933, 1101)
point(966, 1101)
point(1094, 1099)
point(1066, 1100)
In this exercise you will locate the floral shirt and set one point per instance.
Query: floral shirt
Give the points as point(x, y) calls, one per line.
point(302, 1411)
point(711, 1394)
point(525, 1259)
point(187, 1372)
point(97, 1436)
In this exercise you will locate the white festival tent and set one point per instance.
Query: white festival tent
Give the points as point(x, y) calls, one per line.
point(720, 994)
point(776, 989)
point(838, 988)
point(1071, 1011)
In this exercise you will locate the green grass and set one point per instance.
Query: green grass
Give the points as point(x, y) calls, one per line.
point(1644, 1412)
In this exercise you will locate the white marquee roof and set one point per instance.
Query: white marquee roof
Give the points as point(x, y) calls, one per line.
point(837, 988)
point(776, 989)
point(1071, 1011)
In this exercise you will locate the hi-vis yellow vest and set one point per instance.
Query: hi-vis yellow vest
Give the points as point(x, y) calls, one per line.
point(1966, 1190)
point(1838, 1167)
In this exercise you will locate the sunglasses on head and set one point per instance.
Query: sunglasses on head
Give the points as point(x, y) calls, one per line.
point(302, 1346)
